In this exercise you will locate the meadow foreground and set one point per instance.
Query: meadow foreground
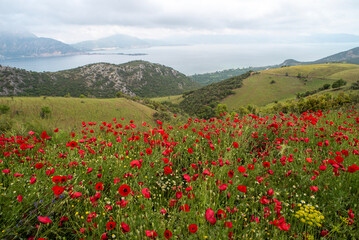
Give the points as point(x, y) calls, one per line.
point(276, 177)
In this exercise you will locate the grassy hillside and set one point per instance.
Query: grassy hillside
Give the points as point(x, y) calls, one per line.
point(282, 83)
point(68, 113)
point(203, 102)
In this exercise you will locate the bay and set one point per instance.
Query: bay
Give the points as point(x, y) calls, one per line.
point(190, 59)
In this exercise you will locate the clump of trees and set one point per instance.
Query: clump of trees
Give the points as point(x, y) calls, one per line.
point(339, 83)
point(308, 93)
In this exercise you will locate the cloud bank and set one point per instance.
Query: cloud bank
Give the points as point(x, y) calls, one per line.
point(77, 20)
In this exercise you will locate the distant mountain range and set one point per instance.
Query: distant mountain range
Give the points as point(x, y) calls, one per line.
point(115, 41)
point(137, 78)
point(349, 56)
point(22, 44)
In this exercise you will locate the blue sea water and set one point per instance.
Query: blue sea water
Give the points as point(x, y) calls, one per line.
point(191, 59)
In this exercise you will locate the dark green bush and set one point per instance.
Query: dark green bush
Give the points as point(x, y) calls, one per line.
point(45, 112)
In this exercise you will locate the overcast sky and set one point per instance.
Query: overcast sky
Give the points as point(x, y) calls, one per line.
point(77, 20)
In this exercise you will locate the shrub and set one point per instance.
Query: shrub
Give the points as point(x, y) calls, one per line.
point(45, 112)
point(4, 109)
point(339, 83)
point(355, 85)
point(161, 116)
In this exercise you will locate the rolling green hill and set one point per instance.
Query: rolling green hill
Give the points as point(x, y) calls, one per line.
point(203, 102)
point(137, 78)
point(282, 83)
point(266, 87)
point(29, 113)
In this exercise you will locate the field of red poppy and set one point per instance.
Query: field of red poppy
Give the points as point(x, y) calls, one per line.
point(276, 177)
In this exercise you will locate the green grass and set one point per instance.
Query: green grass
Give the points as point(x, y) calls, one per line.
point(259, 91)
point(175, 99)
point(68, 113)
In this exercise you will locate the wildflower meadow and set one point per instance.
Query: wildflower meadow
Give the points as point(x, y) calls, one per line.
point(282, 176)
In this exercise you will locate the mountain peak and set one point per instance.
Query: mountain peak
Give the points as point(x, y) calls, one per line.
point(290, 62)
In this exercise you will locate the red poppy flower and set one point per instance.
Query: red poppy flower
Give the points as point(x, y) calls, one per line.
point(210, 216)
point(168, 234)
point(266, 164)
point(167, 170)
point(99, 186)
point(230, 174)
point(190, 150)
point(351, 214)
point(235, 145)
point(32, 180)
point(110, 225)
point(57, 190)
point(44, 135)
point(19, 198)
point(148, 151)
point(124, 190)
point(136, 163)
point(241, 169)
point(339, 159)
point(56, 179)
point(270, 192)
point(314, 188)
point(63, 179)
point(222, 187)
point(184, 208)
point(193, 228)
point(250, 166)
point(151, 234)
point(125, 227)
point(179, 195)
point(221, 214)
point(72, 144)
point(242, 188)
point(228, 224)
point(146, 192)
point(44, 219)
point(76, 195)
point(353, 168)
point(191, 196)
point(172, 202)
point(39, 165)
